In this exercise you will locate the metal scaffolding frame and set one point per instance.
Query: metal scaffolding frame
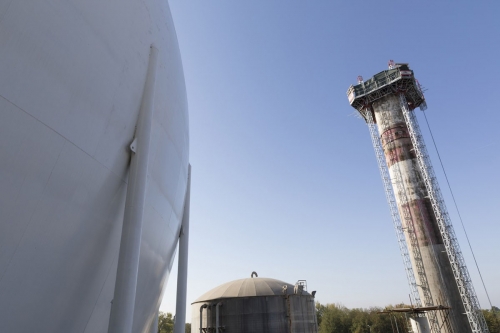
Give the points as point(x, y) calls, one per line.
point(460, 272)
point(391, 82)
point(405, 214)
point(400, 81)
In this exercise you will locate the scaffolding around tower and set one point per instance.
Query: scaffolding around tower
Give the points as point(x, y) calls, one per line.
point(460, 272)
point(391, 200)
point(423, 227)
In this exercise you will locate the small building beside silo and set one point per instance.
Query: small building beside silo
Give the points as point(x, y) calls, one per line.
point(255, 305)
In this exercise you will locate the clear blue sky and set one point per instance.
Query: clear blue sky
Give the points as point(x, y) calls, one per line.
point(285, 181)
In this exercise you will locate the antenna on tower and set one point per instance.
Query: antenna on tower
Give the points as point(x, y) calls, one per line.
point(391, 64)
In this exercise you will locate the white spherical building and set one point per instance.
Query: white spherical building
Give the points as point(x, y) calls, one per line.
point(72, 84)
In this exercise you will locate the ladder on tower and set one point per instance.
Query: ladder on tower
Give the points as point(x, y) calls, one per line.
point(403, 246)
point(460, 272)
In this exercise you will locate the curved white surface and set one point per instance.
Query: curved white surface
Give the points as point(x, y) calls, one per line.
point(248, 287)
point(72, 75)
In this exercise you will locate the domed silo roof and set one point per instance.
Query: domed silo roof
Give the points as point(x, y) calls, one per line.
point(249, 287)
point(255, 305)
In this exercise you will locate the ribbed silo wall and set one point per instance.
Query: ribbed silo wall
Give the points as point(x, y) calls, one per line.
point(302, 314)
point(261, 314)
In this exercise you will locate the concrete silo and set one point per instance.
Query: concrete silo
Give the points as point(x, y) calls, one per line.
point(255, 305)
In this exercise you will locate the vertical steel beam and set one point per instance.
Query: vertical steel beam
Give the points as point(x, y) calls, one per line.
point(122, 309)
point(201, 317)
point(154, 324)
point(180, 311)
point(217, 319)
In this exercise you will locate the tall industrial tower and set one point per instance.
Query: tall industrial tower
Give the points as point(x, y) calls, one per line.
point(433, 261)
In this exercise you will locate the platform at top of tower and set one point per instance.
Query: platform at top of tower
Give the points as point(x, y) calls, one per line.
point(399, 79)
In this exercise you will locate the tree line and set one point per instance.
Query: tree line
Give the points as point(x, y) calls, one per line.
point(336, 318)
point(166, 323)
point(339, 319)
